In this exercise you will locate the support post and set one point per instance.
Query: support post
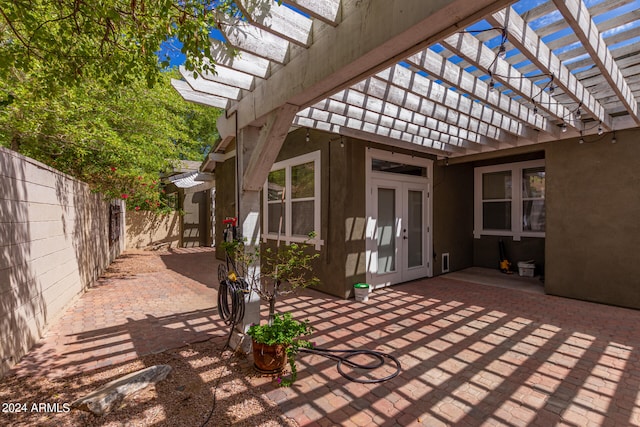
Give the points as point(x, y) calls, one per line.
point(256, 150)
point(249, 229)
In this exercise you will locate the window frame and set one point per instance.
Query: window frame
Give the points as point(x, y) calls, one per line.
point(287, 237)
point(517, 199)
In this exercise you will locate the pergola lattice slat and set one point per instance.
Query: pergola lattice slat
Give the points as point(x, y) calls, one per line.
point(528, 42)
point(207, 86)
point(402, 77)
point(452, 74)
point(418, 124)
point(197, 97)
point(230, 77)
point(393, 106)
point(257, 41)
point(578, 17)
point(278, 20)
point(327, 11)
point(246, 62)
point(481, 56)
point(375, 129)
point(397, 99)
point(399, 83)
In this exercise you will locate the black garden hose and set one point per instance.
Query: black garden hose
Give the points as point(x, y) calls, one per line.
point(230, 299)
point(378, 356)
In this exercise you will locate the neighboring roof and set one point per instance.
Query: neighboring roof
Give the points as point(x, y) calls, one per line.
point(433, 77)
point(192, 181)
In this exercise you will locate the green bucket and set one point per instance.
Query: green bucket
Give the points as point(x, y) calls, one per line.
point(362, 291)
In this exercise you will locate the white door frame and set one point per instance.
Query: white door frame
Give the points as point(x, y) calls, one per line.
point(425, 184)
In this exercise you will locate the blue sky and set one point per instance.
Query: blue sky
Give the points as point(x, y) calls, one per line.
point(172, 46)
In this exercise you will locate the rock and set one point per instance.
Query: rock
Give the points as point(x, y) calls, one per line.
point(111, 394)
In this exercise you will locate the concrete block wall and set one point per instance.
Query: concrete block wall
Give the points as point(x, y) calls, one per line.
point(54, 243)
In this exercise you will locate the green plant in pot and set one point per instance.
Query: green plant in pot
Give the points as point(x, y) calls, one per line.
point(276, 343)
point(283, 270)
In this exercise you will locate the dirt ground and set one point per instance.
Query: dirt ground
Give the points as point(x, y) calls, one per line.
point(204, 384)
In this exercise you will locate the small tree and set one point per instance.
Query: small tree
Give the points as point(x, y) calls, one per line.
point(283, 269)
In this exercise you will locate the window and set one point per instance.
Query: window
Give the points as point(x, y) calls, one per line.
point(291, 200)
point(509, 200)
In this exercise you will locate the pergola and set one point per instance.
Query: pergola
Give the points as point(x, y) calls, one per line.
point(455, 78)
point(450, 77)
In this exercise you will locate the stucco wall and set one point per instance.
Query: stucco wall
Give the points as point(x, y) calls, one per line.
point(352, 216)
point(452, 216)
point(147, 229)
point(54, 242)
point(342, 261)
point(593, 219)
point(330, 266)
point(486, 252)
point(196, 219)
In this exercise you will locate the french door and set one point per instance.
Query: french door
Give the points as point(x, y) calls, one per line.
point(400, 233)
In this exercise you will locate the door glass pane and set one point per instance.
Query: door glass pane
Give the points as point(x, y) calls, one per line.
point(386, 230)
point(275, 185)
point(533, 215)
point(302, 181)
point(414, 228)
point(496, 185)
point(496, 215)
point(302, 216)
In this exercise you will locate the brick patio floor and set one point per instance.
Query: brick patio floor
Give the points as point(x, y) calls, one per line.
point(471, 354)
point(127, 316)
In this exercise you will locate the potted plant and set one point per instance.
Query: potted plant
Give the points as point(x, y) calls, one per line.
point(276, 343)
point(283, 270)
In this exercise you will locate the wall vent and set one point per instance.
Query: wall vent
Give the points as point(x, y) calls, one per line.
point(445, 262)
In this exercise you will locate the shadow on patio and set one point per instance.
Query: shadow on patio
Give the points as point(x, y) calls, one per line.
point(472, 355)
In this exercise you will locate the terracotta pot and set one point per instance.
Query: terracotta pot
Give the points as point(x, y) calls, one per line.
point(269, 358)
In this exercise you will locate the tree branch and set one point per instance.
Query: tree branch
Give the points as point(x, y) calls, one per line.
point(15, 32)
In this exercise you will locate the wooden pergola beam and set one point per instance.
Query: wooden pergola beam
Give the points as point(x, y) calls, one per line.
point(249, 38)
point(424, 127)
point(323, 116)
point(207, 86)
point(191, 95)
point(278, 20)
point(528, 42)
point(437, 66)
point(328, 11)
point(272, 136)
point(245, 62)
point(422, 86)
point(476, 53)
point(577, 16)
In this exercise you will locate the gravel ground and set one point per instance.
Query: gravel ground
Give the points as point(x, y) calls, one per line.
point(135, 261)
point(184, 398)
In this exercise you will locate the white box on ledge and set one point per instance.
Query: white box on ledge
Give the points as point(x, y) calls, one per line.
point(526, 268)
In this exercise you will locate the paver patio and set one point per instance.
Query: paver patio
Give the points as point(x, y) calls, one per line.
point(127, 316)
point(471, 354)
